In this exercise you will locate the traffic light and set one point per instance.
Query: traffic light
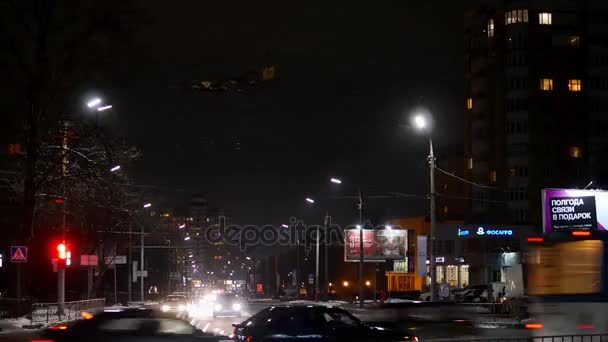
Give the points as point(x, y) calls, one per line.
point(64, 255)
point(61, 251)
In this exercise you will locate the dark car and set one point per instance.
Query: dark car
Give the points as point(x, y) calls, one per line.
point(127, 325)
point(311, 322)
point(228, 305)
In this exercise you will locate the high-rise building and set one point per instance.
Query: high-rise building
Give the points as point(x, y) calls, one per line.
point(536, 104)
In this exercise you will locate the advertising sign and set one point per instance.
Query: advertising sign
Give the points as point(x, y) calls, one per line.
point(378, 245)
point(572, 209)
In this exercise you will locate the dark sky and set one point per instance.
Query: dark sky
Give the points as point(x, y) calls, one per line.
point(348, 73)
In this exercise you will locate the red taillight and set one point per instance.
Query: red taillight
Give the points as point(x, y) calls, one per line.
point(586, 326)
point(58, 327)
point(415, 338)
point(248, 339)
point(581, 233)
point(536, 239)
point(534, 326)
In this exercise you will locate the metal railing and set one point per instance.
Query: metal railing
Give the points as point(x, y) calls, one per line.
point(559, 338)
point(44, 313)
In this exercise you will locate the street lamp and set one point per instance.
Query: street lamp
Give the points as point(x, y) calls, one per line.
point(360, 228)
point(310, 200)
point(147, 205)
point(115, 168)
point(422, 122)
point(94, 102)
point(104, 108)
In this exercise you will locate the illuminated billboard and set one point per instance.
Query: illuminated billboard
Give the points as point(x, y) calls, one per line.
point(573, 209)
point(378, 245)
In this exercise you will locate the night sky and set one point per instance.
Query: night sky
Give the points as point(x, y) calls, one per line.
point(347, 76)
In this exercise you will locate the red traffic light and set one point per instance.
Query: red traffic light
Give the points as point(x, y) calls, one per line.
point(62, 251)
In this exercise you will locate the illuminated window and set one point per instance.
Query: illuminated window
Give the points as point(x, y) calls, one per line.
point(445, 209)
point(491, 28)
point(575, 152)
point(493, 176)
point(574, 41)
point(516, 16)
point(470, 103)
point(470, 164)
point(546, 84)
point(544, 18)
point(574, 85)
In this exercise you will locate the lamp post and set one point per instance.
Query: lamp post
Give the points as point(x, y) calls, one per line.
point(141, 289)
point(422, 123)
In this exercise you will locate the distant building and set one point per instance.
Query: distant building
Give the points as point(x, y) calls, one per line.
point(452, 192)
point(536, 103)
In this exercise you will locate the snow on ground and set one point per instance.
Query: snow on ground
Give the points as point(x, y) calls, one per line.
point(8, 324)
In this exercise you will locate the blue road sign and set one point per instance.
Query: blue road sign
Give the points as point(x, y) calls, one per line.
point(18, 253)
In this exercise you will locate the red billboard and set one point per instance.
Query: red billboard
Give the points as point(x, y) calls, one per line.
point(378, 245)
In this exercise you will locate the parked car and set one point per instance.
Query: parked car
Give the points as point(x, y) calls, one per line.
point(311, 322)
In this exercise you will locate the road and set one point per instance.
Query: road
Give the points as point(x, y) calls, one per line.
point(203, 319)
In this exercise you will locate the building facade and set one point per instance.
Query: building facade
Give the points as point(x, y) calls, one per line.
point(536, 107)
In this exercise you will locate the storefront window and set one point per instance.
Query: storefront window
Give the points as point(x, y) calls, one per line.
point(440, 274)
point(464, 276)
point(452, 275)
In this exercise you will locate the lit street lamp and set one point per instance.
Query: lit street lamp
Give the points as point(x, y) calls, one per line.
point(94, 102)
point(422, 123)
point(115, 168)
point(310, 200)
point(147, 205)
point(101, 109)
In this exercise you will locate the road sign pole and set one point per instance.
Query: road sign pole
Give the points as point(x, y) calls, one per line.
point(89, 281)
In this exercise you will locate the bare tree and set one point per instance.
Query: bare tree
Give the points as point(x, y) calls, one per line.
point(52, 46)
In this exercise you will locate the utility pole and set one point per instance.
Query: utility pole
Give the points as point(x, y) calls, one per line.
point(141, 294)
point(317, 266)
point(360, 205)
point(433, 221)
point(130, 261)
point(326, 275)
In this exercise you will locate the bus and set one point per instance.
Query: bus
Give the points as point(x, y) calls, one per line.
point(566, 283)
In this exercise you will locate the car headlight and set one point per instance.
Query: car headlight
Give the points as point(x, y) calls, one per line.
point(218, 307)
point(164, 308)
point(236, 307)
point(181, 307)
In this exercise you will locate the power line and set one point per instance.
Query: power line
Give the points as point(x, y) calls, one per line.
point(466, 181)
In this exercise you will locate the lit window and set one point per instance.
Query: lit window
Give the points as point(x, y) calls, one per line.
point(574, 41)
point(575, 152)
point(493, 176)
point(546, 84)
point(470, 103)
point(445, 209)
point(516, 16)
point(544, 18)
point(491, 28)
point(470, 164)
point(574, 85)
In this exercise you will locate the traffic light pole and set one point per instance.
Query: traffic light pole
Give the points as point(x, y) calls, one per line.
point(141, 294)
point(60, 264)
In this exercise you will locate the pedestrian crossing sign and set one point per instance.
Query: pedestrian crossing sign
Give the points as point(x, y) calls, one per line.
point(18, 253)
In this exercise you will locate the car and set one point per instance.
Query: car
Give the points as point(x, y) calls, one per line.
point(311, 322)
point(228, 304)
point(178, 304)
point(126, 325)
